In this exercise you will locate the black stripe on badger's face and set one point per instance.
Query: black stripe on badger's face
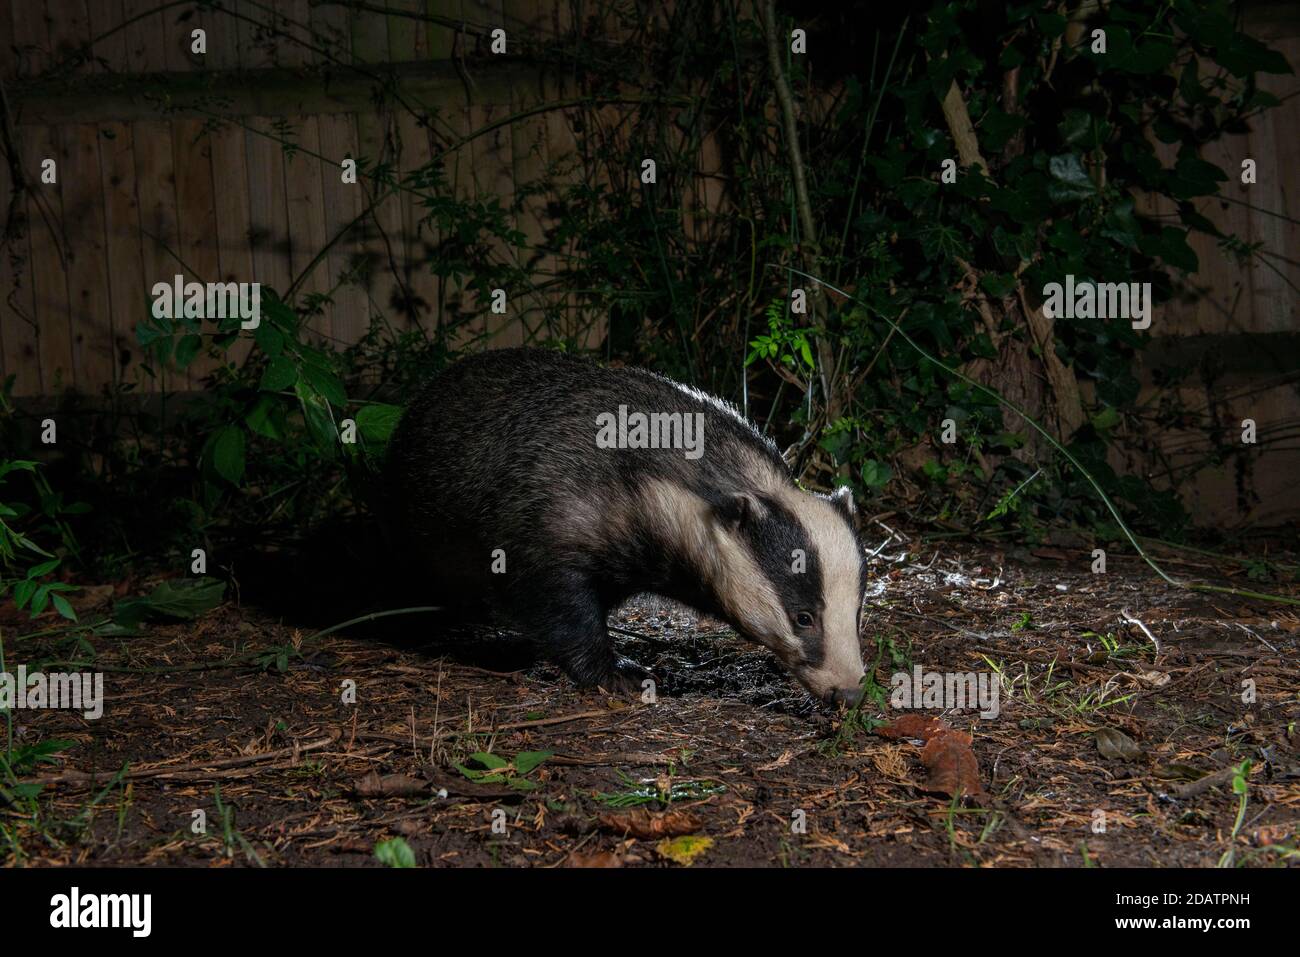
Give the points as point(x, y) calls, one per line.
point(781, 548)
point(797, 583)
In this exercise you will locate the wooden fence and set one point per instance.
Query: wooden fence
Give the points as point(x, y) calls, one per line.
point(199, 183)
point(196, 180)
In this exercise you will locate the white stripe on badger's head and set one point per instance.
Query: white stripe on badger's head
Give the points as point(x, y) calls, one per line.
point(828, 523)
point(745, 594)
point(784, 565)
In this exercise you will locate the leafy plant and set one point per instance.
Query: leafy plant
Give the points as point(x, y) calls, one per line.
point(395, 852)
point(494, 769)
point(26, 567)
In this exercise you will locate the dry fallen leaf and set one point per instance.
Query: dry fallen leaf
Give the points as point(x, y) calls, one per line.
point(647, 825)
point(911, 725)
point(1116, 745)
point(947, 753)
point(952, 765)
point(389, 785)
point(683, 850)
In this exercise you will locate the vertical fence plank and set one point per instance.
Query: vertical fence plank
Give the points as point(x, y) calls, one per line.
point(223, 37)
point(8, 56)
point(127, 291)
point(234, 223)
point(268, 235)
point(350, 312)
point(494, 176)
point(306, 210)
point(87, 257)
point(1274, 302)
point(155, 184)
point(178, 22)
point(375, 141)
point(49, 264)
point(333, 29)
point(69, 27)
point(108, 54)
point(18, 337)
point(295, 20)
point(417, 239)
point(255, 50)
point(144, 36)
point(439, 38)
point(458, 300)
point(524, 25)
point(406, 41)
point(196, 217)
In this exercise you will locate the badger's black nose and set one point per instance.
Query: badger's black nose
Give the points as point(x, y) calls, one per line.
point(848, 696)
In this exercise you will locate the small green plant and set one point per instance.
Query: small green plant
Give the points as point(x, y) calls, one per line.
point(1241, 788)
point(659, 791)
point(27, 568)
point(395, 852)
point(491, 768)
point(277, 657)
point(230, 835)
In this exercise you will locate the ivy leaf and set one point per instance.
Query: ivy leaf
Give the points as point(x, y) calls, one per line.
point(1070, 181)
point(1170, 244)
point(876, 474)
point(1242, 55)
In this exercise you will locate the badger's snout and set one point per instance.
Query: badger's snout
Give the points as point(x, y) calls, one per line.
point(847, 696)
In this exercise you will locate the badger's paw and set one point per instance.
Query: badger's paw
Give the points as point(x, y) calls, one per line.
point(626, 677)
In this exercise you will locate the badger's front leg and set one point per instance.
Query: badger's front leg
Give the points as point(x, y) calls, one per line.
point(565, 615)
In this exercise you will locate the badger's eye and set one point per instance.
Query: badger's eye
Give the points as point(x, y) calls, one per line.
point(803, 619)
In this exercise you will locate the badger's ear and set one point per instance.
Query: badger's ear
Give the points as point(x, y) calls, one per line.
point(842, 498)
point(736, 509)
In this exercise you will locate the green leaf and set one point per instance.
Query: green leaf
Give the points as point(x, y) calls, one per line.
point(377, 421)
point(316, 413)
point(182, 598)
point(228, 453)
point(1107, 418)
point(269, 339)
point(187, 348)
point(876, 474)
point(44, 568)
point(490, 761)
point(326, 383)
point(1170, 244)
point(395, 852)
point(266, 417)
point(1070, 180)
point(63, 608)
point(280, 374)
point(526, 761)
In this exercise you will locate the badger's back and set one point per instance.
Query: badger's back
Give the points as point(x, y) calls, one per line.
point(499, 435)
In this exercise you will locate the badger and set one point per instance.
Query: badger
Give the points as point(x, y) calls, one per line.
point(558, 488)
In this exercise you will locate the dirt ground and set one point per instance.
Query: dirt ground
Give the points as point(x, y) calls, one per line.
point(732, 765)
